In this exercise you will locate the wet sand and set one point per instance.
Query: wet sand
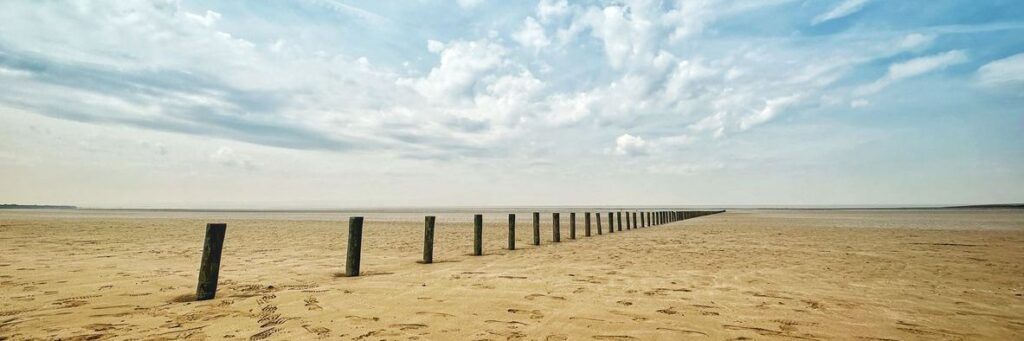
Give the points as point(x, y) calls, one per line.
point(753, 274)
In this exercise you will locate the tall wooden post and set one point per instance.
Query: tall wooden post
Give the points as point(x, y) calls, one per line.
point(586, 224)
point(597, 215)
point(209, 266)
point(627, 221)
point(618, 218)
point(428, 239)
point(536, 228)
point(556, 233)
point(478, 234)
point(511, 231)
point(355, 246)
point(572, 225)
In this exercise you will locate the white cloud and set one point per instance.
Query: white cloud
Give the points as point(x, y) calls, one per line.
point(435, 46)
point(771, 109)
point(463, 64)
point(551, 9)
point(859, 103)
point(629, 34)
point(627, 144)
point(912, 68)
point(531, 35)
point(847, 7)
point(915, 41)
point(207, 19)
point(1008, 71)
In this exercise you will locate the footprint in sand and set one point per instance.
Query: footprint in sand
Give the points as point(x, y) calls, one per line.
point(319, 331)
point(360, 318)
point(311, 304)
point(668, 311)
point(263, 334)
point(614, 337)
point(535, 296)
point(534, 314)
point(408, 326)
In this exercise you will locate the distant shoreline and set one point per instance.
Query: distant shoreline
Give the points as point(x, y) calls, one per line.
point(38, 207)
point(514, 208)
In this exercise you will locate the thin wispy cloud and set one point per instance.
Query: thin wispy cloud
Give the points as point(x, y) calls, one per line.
point(843, 9)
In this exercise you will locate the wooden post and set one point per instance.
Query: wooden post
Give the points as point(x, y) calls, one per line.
point(618, 218)
point(611, 222)
point(511, 231)
point(355, 246)
point(428, 239)
point(572, 225)
point(209, 267)
point(536, 228)
point(586, 224)
point(478, 234)
point(556, 233)
point(627, 221)
point(597, 215)
point(634, 221)
point(643, 223)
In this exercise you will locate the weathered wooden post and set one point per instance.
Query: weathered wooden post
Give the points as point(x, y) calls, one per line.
point(209, 266)
point(478, 234)
point(572, 225)
point(618, 218)
point(586, 224)
point(556, 233)
point(511, 231)
point(643, 223)
point(627, 221)
point(428, 239)
point(536, 228)
point(597, 215)
point(355, 246)
point(611, 222)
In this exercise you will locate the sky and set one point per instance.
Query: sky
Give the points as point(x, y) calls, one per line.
point(338, 104)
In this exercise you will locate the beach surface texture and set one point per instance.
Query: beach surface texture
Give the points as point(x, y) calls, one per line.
point(743, 274)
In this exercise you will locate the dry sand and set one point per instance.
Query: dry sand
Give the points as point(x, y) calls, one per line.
point(865, 275)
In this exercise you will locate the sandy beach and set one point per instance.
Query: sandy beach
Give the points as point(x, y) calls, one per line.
point(744, 274)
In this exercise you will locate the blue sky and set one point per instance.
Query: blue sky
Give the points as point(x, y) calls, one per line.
point(319, 103)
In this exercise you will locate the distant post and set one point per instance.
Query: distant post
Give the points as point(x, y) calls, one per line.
point(209, 267)
point(478, 234)
point(586, 224)
point(511, 231)
point(428, 239)
point(627, 221)
point(597, 215)
point(572, 225)
point(355, 246)
point(536, 228)
point(634, 221)
point(556, 233)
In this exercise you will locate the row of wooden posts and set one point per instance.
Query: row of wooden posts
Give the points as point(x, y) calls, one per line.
point(209, 267)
